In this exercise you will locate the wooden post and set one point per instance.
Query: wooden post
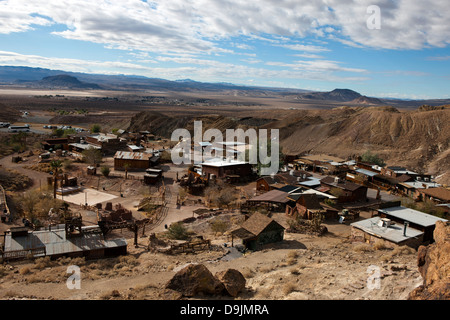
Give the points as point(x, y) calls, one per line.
point(136, 236)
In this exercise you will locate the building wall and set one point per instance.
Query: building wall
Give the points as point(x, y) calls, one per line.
point(242, 170)
point(358, 235)
point(119, 164)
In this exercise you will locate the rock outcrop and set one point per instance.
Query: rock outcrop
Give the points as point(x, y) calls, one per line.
point(196, 278)
point(434, 266)
point(233, 281)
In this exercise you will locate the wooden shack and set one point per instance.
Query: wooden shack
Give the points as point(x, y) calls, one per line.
point(259, 230)
point(133, 161)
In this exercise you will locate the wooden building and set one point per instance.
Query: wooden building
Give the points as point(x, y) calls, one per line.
point(303, 206)
point(152, 176)
point(108, 143)
point(223, 168)
point(259, 230)
point(58, 242)
point(438, 195)
point(132, 161)
point(345, 191)
point(390, 233)
point(55, 143)
point(416, 219)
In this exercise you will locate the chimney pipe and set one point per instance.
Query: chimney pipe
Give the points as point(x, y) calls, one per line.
point(404, 228)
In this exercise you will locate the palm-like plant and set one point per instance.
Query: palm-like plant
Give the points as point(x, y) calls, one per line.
point(55, 165)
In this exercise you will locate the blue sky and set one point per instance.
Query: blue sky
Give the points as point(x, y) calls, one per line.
point(398, 49)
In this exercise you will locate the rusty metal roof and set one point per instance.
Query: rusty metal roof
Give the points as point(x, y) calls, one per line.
point(126, 155)
point(271, 196)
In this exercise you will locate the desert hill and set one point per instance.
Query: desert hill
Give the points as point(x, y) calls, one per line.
point(417, 139)
point(335, 95)
point(65, 81)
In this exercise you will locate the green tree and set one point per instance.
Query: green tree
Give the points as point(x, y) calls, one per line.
point(105, 171)
point(92, 156)
point(56, 166)
point(372, 158)
point(96, 128)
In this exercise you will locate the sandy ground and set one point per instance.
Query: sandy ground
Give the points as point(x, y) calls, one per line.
point(302, 267)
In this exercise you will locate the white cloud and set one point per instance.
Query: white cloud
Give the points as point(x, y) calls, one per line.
point(196, 26)
point(201, 69)
point(439, 58)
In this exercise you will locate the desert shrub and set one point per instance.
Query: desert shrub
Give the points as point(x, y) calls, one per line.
point(379, 245)
point(105, 171)
point(110, 295)
point(294, 271)
point(96, 128)
point(24, 271)
point(219, 226)
point(78, 261)
point(372, 158)
point(42, 263)
point(129, 260)
point(291, 258)
point(67, 164)
point(177, 231)
point(403, 250)
point(363, 247)
point(288, 288)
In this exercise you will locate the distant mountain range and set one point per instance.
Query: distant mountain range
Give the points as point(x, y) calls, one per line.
point(27, 77)
point(39, 77)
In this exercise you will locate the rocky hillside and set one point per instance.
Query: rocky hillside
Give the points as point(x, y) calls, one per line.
point(434, 266)
point(163, 125)
point(418, 139)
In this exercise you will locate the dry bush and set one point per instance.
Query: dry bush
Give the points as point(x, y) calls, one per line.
point(398, 251)
point(291, 258)
point(42, 263)
point(288, 288)
point(380, 245)
point(25, 270)
point(247, 273)
point(363, 247)
point(110, 295)
point(265, 292)
point(294, 271)
point(267, 269)
point(403, 250)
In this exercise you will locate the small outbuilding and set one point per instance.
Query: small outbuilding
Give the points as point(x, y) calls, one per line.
point(259, 230)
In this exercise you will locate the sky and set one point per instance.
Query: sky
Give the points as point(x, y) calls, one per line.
point(380, 48)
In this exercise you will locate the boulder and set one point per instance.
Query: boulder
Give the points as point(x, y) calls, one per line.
point(233, 281)
point(434, 266)
point(194, 279)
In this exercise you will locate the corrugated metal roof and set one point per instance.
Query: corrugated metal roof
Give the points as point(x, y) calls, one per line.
point(417, 217)
point(393, 233)
point(56, 243)
point(125, 155)
point(367, 172)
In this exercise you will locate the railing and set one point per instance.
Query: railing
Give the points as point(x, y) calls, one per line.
point(22, 254)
